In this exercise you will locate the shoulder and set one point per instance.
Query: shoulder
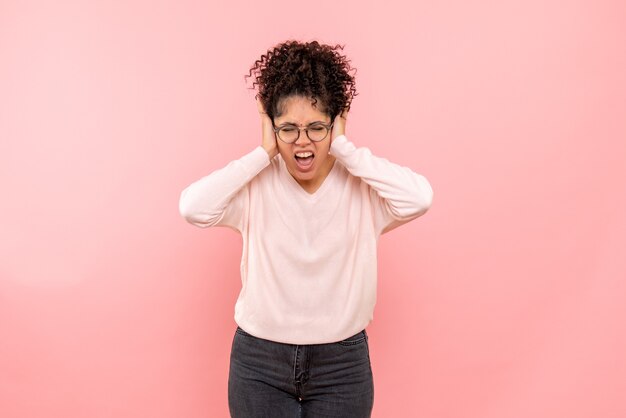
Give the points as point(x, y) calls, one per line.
point(353, 183)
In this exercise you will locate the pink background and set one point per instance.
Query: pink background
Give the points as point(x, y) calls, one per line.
point(506, 300)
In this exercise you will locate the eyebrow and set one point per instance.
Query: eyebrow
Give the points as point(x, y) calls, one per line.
point(312, 123)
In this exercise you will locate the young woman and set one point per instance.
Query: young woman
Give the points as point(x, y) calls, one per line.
point(310, 206)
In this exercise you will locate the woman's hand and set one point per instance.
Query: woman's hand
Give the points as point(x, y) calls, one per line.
point(269, 136)
point(339, 126)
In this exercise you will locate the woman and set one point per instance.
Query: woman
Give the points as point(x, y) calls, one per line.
point(310, 207)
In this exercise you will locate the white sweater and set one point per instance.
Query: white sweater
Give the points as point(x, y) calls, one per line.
point(308, 265)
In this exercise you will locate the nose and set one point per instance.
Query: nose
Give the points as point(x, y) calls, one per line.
point(303, 138)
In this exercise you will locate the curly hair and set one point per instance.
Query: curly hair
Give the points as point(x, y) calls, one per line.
point(309, 69)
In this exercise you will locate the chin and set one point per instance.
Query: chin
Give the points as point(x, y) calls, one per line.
point(305, 176)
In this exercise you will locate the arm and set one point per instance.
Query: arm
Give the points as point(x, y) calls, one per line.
point(220, 198)
point(403, 195)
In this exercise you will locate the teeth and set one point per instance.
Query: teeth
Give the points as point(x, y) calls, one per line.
point(304, 154)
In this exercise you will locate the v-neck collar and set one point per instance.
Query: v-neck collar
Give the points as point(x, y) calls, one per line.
point(299, 189)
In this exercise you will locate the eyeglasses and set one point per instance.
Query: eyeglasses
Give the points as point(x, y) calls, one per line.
point(290, 133)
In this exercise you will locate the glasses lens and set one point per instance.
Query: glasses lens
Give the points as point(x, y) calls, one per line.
point(317, 132)
point(288, 134)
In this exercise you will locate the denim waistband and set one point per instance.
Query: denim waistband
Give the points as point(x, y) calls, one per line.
point(355, 337)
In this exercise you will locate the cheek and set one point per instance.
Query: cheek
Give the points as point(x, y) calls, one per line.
point(285, 151)
point(322, 149)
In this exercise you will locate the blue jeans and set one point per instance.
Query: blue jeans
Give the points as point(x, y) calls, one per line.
point(275, 380)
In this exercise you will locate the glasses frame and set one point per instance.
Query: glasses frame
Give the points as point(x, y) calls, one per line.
point(305, 128)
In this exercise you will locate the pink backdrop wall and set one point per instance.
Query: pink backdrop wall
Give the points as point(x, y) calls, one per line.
point(506, 300)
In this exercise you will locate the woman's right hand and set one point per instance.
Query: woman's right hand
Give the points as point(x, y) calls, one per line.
point(269, 136)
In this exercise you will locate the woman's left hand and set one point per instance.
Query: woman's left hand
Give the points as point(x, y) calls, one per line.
point(339, 126)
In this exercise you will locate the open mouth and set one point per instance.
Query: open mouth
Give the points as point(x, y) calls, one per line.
point(304, 160)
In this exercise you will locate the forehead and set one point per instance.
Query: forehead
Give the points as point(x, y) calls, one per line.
point(299, 109)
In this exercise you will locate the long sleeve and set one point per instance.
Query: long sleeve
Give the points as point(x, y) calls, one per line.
point(401, 194)
point(220, 199)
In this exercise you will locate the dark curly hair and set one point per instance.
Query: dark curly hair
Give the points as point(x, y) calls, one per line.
point(309, 69)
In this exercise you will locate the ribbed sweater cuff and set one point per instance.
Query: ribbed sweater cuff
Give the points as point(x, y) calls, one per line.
point(338, 146)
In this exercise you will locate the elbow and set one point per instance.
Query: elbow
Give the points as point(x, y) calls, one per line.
point(184, 207)
point(192, 215)
point(417, 203)
point(424, 193)
point(201, 220)
point(188, 215)
point(420, 205)
point(424, 198)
